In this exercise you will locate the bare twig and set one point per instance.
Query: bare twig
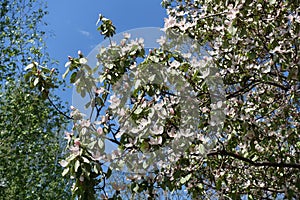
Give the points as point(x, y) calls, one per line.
point(57, 109)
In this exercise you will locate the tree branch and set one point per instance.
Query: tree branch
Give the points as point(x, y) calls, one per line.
point(243, 90)
point(57, 109)
point(114, 141)
point(256, 164)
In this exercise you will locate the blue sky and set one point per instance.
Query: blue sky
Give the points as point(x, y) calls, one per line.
point(72, 24)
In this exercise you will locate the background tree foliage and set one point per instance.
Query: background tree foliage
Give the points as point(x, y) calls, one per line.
point(254, 48)
point(30, 128)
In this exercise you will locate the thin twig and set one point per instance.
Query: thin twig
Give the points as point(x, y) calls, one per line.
point(57, 109)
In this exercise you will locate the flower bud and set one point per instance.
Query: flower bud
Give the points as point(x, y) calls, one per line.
point(77, 142)
point(172, 112)
point(100, 131)
point(80, 54)
point(81, 178)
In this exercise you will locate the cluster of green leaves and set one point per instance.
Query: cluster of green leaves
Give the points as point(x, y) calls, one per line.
point(107, 29)
point(30, 146)
point(31, 128)
point(41, 78)
point(82, 164)
point(21, 39)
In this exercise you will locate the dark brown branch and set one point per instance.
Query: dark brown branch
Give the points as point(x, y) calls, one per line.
point(57, 109)
point(114, 135)
point(276, 85)
point(114, 141)
point(256, 164)
point(243, 90)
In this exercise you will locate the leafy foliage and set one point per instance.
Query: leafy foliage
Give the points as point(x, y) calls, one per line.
point(21, 35)
point(30, 136)
point(30, 146)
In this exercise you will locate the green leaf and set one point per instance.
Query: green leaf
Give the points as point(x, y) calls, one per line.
point(138, 111)
point(36, 81)
point(83, 61)
point(87, 105)
point(145, 165)
point(145, 146)
point(82, 93)
point(66, 73)
point(152, 78)
point(254, 158)
point(136, 188)
point(45, 69)
point(137, 83)
point(232, 30)
point(99, 101)
point(73, 77)
point(86, 160)
point(100, 143)
point(71, 157)
point(27, 76)
point(30, 66)
point(185, 179)
point(201, 149)
point(272, 1)
point(108, 173)
point(92, 144)
point(65, 172)
point(68, 64)
point(219, 184)
point(96, 169)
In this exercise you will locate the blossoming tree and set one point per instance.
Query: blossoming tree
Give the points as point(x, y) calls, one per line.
point(244, 66)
